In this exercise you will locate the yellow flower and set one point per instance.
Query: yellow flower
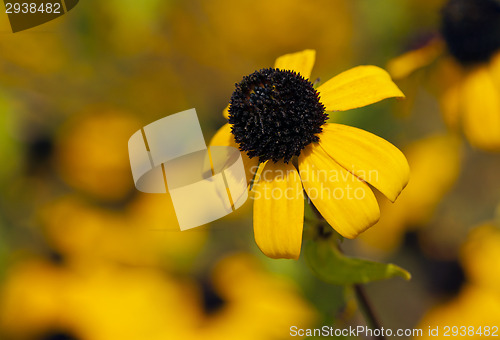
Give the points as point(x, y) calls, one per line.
point(278, 119)
point(468, 76)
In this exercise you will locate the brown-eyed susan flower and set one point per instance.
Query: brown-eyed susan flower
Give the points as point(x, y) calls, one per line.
point(278, 119)
point(468, 70)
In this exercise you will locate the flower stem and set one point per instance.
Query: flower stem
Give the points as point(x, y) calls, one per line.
point(361, 296)
point(367, 309)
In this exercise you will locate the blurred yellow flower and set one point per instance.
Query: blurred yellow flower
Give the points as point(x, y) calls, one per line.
point(143, 233)
point(276, 115)
point(473, 310)
point(435, 164)
point(477, 307)
point(480, 256)
point(120, 302)
point(257, 305)
point(151, 219)
point(468, 77)
point(90, 152)
point(100, 303)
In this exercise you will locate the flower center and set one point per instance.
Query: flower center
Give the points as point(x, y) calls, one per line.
point(471, 29)
point(275, 114)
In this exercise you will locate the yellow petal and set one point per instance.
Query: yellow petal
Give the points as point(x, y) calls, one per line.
point(278, 213)
point(256, 175)
point(224, 137)
point(481, 105)
point(346, 203)
point(300, 62)
point(357, 87)
point(404, 65)
point(369, 157)
point(225, 113)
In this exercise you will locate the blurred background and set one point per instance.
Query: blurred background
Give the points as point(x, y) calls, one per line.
point(84, 256)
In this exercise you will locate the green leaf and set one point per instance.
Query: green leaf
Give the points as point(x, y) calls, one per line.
point(331, 266)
